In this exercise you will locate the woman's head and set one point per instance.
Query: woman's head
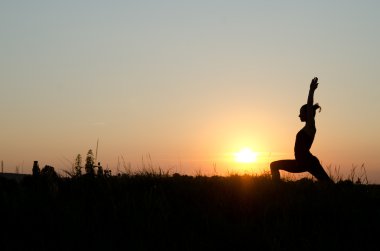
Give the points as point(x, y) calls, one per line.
point(303, 111)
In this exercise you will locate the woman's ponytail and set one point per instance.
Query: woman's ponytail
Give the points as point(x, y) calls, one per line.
point(316, 107)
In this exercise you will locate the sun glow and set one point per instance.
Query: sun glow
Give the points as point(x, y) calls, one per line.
point(245, 156)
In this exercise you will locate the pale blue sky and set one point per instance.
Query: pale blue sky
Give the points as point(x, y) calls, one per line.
point(187, 81)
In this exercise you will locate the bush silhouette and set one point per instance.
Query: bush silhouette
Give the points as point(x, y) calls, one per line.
point(89, 166)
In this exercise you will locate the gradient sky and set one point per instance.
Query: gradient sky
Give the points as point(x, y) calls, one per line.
point(188, 82)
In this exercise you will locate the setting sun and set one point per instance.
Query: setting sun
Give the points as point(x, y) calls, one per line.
point(245, 156)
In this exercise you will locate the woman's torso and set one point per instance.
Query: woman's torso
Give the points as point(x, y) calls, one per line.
point(304, 140)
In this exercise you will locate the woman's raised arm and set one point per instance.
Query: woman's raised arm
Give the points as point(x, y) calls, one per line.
point(310, 102)
point(313, 86)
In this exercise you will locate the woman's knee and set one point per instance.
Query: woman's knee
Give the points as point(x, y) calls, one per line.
point(274, 165)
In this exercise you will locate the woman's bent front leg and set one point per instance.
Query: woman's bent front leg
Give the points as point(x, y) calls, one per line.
point(291, 165)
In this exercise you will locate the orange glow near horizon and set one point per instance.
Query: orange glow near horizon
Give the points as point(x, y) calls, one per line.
point(246, 155)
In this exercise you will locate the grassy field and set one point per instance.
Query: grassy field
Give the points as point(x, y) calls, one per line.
point(152, 211)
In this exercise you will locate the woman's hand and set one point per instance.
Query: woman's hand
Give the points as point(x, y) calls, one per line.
point(314, 84)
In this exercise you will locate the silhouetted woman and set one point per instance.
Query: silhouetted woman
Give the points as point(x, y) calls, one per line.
point(305, 161)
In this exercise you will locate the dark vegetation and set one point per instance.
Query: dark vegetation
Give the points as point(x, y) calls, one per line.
point(92, 210)
point(160, 211)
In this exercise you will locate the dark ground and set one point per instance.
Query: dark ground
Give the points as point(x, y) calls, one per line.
point(151, 212)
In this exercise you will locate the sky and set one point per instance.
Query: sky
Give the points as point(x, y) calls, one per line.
point(182, 85)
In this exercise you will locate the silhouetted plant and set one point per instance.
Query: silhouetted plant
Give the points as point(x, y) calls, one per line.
point(78, 165)
point(100, 170)
point(48, 181)
point(89, 166)
point(48, 172)
point(358, 175)
point(107, 173)
point(36, 169)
